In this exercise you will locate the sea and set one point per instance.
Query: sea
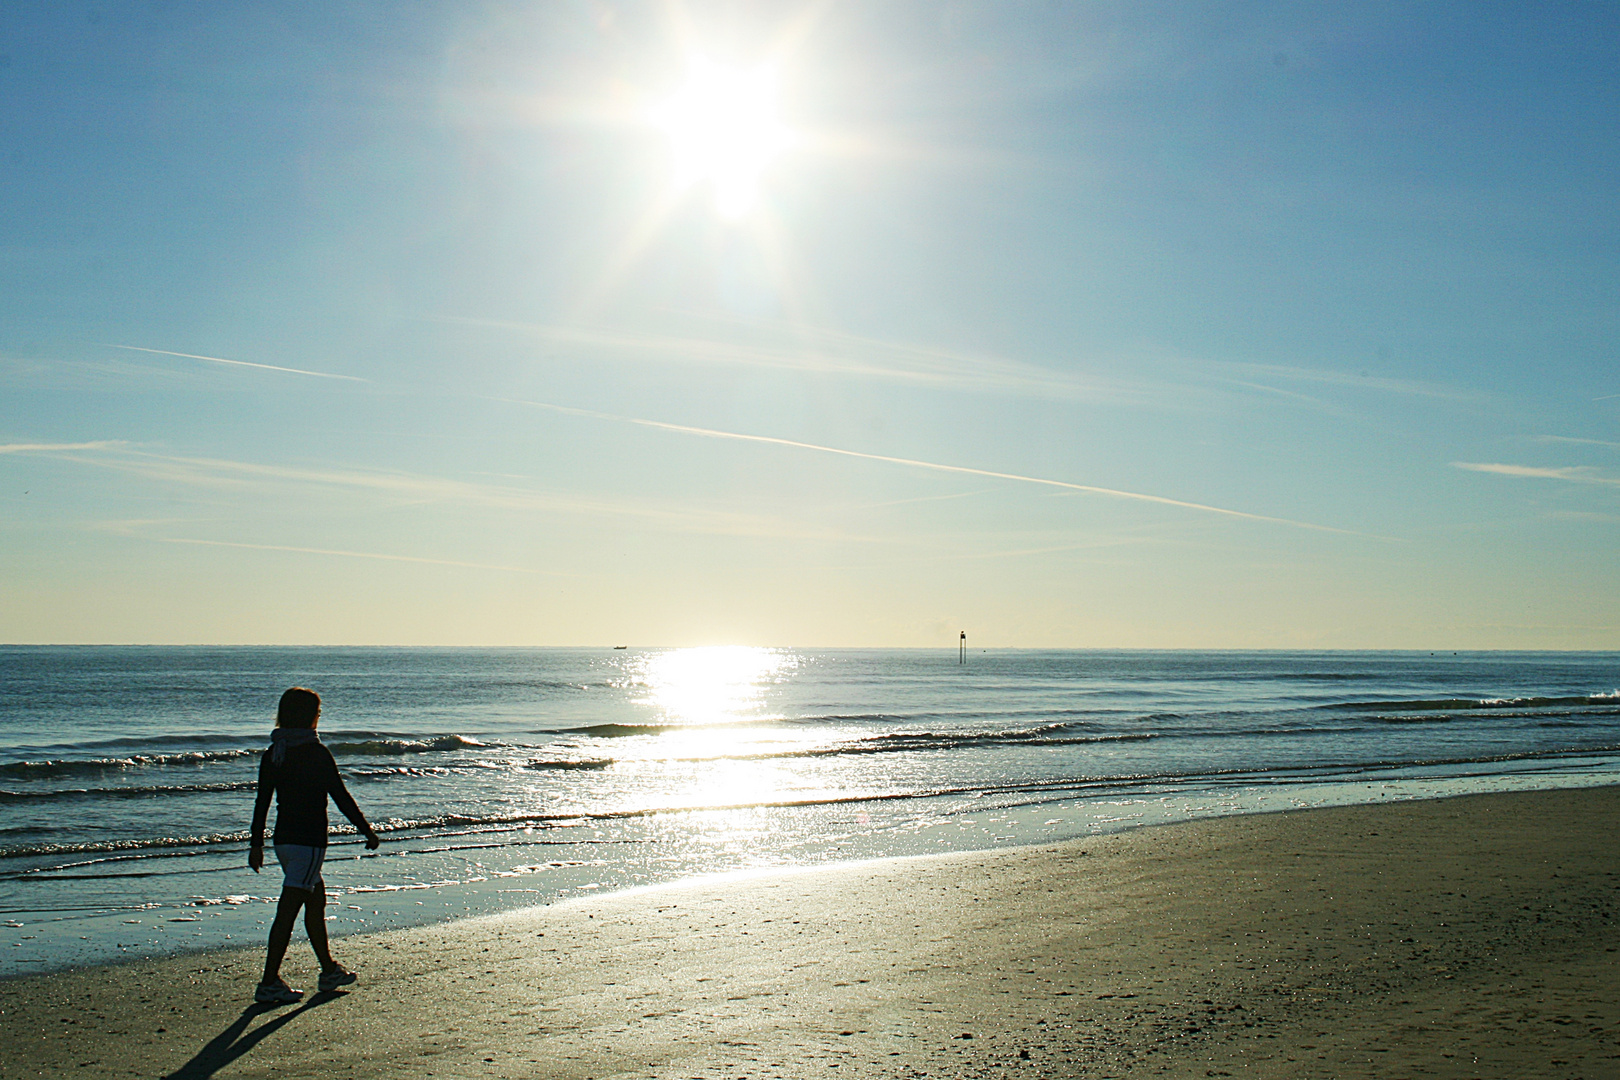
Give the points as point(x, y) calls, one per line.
point(506, 778)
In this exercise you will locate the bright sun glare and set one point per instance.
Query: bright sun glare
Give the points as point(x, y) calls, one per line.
point(709, 685)
point(710, 695)
point(723, 130)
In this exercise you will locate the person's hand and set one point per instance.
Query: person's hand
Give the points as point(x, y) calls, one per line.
point(256, 857)
point(373, 841)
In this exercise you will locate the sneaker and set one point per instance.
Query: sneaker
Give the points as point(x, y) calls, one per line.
point(337, 975)
point(276, 993)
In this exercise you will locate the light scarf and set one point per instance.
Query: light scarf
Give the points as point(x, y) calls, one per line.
point(283, 737)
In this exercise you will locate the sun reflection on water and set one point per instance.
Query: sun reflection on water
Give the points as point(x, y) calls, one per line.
point(711, 685)
point(711, 707)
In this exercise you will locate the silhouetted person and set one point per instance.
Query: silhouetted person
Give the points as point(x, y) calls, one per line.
point(300, 773)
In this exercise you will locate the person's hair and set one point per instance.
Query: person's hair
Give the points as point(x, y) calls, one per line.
point(299, 708)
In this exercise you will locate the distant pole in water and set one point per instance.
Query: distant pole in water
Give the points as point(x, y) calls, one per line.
point(961, 654)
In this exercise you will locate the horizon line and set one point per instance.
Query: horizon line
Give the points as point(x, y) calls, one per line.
point(950, 646)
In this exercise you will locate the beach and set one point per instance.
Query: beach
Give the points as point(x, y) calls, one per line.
point(1470, 936)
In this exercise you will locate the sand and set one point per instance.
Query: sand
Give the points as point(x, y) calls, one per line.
point(1467, 937)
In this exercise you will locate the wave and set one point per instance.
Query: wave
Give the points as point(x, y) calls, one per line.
point(625, 731)
point(388, 746)
point(891, 743)
point(1251, 732)
point(381, 746)
point(912, 741)
point(1471, 704)
point(168, 846)
point(959, 715)
point(442, 826)
point(1325, 676)
point(141, 844)
point(138, 742)
point(52, 768)
point(376, 772)
point(541, 684)
point(966, 716)
point(1045, 735)
point(130, 792)
point(898, 743)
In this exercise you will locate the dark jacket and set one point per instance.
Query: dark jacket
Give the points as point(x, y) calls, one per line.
point(301, 783)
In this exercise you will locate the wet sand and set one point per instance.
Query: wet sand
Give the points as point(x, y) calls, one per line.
point(1467, 937)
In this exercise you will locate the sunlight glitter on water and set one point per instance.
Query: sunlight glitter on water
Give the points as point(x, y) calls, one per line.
point(709, 685)
point(714, 698)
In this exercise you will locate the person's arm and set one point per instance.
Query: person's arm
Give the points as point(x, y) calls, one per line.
point(345, 802)
point(261, 813)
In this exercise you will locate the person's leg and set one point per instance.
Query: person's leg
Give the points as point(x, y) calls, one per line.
point(315, 924)
point(281, 932)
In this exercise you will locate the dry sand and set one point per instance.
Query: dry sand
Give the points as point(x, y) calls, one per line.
point(1467, 937)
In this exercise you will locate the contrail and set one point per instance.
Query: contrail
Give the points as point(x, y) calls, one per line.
point(44, 448)
point(347, 554)
point(238, 363)
point(711, 433)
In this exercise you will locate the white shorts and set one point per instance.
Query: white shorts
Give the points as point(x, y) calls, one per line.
point(301, 866)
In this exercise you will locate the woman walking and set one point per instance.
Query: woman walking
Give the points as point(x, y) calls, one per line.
point(300, 773)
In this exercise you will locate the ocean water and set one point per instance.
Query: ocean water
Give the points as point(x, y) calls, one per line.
point(502, 778)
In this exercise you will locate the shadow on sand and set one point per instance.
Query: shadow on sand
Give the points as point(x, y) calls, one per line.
point(231, 1043)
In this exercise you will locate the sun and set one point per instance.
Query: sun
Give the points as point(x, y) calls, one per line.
point(724, 131)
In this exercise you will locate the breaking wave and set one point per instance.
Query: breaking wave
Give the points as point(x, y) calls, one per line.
point(343, 746)
point(1470, 704)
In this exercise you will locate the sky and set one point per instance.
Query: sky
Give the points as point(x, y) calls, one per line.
point(1090, 324)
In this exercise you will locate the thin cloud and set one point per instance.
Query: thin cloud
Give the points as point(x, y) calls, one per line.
point(239, 363)
point(409, 488)
point(1018, 553)
point(1090, 489)
point(921, 499)
point(1278, 391)
point(1095, 545)
point(1577, 474)
point(1409, 387)
point(59, 448)
point(833, 352)
point(353, 555)
point(1579, 442)
point(825, 352)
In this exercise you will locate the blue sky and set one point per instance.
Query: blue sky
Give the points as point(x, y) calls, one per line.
point(1090, 324)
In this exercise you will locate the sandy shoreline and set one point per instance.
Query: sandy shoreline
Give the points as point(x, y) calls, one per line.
point(1474, 936)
